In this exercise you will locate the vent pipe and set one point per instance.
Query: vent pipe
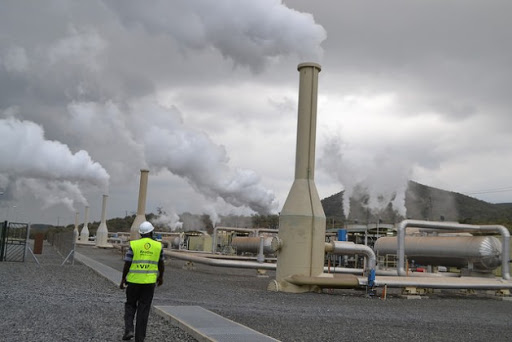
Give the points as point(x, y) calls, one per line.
point(302, 219)
point(102, 232)
point(141, 207)
point(84, 234)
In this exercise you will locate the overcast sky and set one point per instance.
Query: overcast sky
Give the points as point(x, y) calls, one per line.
point(204, 94)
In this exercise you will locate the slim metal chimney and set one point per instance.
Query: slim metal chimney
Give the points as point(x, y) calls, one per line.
point(84, 234)
point(102, 232)
point(302, 219)
point(141, 207)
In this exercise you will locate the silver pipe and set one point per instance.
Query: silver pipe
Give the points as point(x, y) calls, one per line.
point(505, 254)
point(346, 247)
point(220, 263)
point(231, 229)
point(360, 271)
point(441, 283)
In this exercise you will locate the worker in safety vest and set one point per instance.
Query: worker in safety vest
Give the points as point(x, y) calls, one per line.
point(143, 268)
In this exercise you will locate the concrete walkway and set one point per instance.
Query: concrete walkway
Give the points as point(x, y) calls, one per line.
point(205, 325)
point(202, 324)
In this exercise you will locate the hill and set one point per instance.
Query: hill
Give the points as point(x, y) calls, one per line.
point(422, 202)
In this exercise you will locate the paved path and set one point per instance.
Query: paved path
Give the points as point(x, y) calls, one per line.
point(202, 324)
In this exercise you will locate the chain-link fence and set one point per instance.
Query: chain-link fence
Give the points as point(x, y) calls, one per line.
point(64, 243)
point(13, 241)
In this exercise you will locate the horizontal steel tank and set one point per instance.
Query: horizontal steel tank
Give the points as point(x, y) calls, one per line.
point(484, 252)
point(252, 244)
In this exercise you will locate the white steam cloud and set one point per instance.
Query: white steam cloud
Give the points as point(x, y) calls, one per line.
point(87, 79)
point(249, 32)
point(382, 177)
point(48, 169)
point(165, 142)
point(170, 221)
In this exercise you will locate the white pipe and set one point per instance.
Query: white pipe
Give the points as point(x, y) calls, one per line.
point(347, 247)
point(505, 251)
point(220, 263)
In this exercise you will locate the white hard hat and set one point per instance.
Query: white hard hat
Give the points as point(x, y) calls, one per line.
point(145, 228)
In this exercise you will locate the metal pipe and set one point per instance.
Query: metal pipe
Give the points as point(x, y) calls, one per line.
point(442, 283)
point(483, 252)
point(505, 254)
point(339, 281)
point(220, 263)
point(360, 271)
point(347, 247)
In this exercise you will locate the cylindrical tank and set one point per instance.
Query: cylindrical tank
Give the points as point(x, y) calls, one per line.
point(251, 244)
point(484, 252)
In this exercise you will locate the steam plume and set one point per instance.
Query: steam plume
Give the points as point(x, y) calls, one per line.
point(381, 177)
point(48, 168)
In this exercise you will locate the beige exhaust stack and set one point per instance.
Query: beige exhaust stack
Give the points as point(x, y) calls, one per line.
point(141, 207)
point(302, 219)
point(84, 234)
point(102, 232)
point(75, 231)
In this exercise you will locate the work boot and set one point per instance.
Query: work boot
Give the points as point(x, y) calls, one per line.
point(128, 335)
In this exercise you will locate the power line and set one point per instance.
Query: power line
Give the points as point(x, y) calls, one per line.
point(490, 191)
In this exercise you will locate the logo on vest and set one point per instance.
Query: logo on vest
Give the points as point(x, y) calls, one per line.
point(147, 246)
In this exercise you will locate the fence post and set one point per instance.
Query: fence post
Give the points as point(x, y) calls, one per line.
point(3, 234)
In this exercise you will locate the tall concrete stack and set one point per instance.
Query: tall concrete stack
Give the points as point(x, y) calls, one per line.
point(141, 207)
point(302, 219)
point(84, 234)
point(102, 232)
point(75, 230)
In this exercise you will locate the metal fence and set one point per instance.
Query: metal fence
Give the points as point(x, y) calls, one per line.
point(13, 241)
point(65, 243)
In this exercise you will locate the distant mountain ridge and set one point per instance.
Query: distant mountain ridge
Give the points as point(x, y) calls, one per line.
point(422, 202)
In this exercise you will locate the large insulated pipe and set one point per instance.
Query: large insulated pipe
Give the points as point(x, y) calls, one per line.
point(253, 244)
point(505, 252)
point(141, 207)
point(228, 229)
point(102, 232)
point(302, 219)
point(483, 252)
point(84, 233)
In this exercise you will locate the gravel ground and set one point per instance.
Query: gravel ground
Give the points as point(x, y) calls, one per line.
point(339, 315)
point(66, 303)
point(42, 306)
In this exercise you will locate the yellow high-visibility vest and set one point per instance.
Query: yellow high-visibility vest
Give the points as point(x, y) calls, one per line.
point(144, 268)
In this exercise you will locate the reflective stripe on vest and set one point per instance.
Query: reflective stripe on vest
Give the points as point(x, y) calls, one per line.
point(144, 268)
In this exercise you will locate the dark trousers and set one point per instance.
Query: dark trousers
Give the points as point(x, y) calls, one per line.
point(138, 300)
